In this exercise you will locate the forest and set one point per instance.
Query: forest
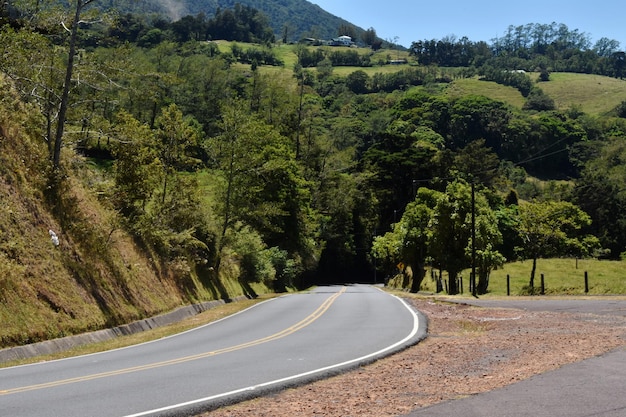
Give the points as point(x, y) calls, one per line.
point(213, 153)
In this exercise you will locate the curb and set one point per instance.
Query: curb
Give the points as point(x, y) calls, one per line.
point(65, 343)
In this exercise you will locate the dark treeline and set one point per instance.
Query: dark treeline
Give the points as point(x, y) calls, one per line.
point(528, 47)
point(241, 23)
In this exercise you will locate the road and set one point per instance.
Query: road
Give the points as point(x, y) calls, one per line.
point(607, 305)
point(282, 342)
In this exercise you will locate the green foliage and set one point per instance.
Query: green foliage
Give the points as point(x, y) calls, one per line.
point(137, 168)
point(513, 78)
point(550, 229)
point(600, 192)
point(538, 100)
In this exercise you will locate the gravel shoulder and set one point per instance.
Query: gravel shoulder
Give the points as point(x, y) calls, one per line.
point(469, 350)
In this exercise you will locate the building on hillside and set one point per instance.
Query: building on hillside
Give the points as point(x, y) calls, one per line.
point(341, 41)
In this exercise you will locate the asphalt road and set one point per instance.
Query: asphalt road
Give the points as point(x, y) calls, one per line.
point(282, 342)
point(594, 387)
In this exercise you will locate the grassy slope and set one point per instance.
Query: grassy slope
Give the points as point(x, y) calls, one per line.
point(462, 87)
point(593, 94)
point(97, 276)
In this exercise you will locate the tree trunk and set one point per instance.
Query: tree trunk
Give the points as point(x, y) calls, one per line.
point(532, 273)
point(418, 277)
point(65, 95)
point(483, 283)
point(452, 287)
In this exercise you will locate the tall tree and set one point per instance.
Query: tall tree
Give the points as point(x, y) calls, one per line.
point(175, 136)
point(79, 6)
point(452, 231)
point(262, 184)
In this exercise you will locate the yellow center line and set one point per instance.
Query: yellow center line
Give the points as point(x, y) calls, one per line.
point(290, 330)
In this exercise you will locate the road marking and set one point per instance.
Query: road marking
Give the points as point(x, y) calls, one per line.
point(362, 359)
point(283, 333)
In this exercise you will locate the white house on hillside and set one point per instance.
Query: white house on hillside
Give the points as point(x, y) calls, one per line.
point(342, 41)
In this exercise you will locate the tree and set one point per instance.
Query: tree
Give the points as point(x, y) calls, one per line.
point(452, 234)
point(137, 168)
point(262, 185)
point(550, 228)
point(408, 244)
point(67, 84)
point(606, 47)
point(600, 192)
point(538, 100)
point(452, 231)
point(175, 136)
point(347, 30)
point(618, 60)
point(35, 72)
point(370, 38)
point(485, 240)
point(357, 82)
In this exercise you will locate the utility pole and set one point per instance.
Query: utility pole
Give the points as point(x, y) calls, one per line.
point(473, 277)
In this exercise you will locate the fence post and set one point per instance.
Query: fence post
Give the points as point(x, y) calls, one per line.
point(586, 282)
point(461, 284)
point(508, 284)
point(543, 285)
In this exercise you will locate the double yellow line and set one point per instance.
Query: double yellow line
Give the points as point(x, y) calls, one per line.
point(283, 333)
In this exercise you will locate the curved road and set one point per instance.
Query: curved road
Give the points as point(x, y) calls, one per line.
point(278, 343)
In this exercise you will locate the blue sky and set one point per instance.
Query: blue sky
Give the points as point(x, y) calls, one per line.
point(412, 20)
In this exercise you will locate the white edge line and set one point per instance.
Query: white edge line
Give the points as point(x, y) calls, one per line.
point(290, 378)
point(104, 352)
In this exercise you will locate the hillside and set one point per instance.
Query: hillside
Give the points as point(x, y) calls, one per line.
point(96, 276)
point(300, 16)
point(591, 93)
point(230, 165)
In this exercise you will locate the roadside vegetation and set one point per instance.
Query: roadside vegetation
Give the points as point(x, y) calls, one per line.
point(162, 166)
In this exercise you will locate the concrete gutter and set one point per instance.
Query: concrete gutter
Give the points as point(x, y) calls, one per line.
point(65, 343)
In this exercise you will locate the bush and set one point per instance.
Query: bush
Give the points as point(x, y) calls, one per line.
point(538, 100)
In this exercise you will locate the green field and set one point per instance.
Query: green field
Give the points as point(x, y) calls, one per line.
point(561, 277)
point(492, 90)
point(593, 94)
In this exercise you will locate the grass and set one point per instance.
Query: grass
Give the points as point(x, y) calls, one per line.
point(593, 94)
point(492, 90)
point(562, 277)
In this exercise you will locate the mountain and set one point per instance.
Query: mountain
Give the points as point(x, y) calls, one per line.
point(303, 18)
